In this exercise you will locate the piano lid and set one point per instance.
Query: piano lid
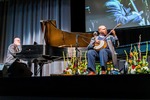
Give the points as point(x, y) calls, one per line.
point(56, 37)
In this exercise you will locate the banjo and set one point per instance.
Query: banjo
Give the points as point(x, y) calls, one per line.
point(103, 44)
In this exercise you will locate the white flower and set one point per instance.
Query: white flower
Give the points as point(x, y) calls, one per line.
point(133, 71)
point(69, 63)
point(70, 71)
point(79, 71)
point(145, 68)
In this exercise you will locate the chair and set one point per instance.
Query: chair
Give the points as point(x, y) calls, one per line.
point(114, 54)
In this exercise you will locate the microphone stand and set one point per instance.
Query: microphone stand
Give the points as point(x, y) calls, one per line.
point(76, 49)
point(43, 34)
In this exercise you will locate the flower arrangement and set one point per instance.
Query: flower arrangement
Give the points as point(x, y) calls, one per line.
point(137, 64)
point(75, 65)
point(78, 65)
point(110, 68)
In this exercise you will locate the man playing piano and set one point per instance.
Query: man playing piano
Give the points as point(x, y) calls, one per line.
point(17, 67)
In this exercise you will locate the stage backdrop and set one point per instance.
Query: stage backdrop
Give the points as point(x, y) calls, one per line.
point(22, 18)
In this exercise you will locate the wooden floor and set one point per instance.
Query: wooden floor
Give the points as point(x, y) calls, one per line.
point(78, 86)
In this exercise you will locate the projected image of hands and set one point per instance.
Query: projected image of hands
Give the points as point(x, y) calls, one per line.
point(129, 13)
point(122, 12)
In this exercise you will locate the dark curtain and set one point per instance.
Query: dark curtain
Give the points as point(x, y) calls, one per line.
point(21, 18)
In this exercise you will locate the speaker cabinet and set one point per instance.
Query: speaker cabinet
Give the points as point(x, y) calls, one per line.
point(18, 69)
point(3, 70)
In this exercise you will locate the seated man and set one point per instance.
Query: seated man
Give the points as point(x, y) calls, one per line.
point(17, 68)
point(104, 54)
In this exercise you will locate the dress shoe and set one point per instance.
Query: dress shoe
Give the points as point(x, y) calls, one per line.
point(91, 73)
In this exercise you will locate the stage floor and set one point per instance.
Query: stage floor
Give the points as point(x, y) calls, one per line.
point(82, 86)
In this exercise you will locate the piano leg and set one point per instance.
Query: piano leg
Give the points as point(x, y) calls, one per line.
point(41, 67)
point(35, 61)
point(29, 63)
point(36, 69)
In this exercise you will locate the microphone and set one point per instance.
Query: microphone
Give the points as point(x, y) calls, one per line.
point(118, 25)
point(95, 34)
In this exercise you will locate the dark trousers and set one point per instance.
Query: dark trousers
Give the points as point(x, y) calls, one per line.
point(104, 55)
point(19, 69)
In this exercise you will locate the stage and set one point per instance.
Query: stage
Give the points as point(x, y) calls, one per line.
point(78, 86)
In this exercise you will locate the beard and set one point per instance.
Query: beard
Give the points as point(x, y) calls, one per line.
point(103, 33)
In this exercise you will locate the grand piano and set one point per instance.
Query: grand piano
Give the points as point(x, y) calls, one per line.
point(58, 41)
